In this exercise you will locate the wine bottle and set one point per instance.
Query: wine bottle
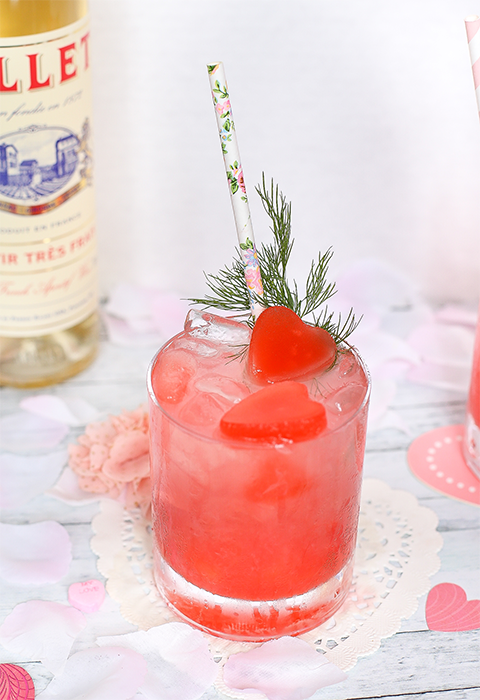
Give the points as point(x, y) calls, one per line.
point(48, 280)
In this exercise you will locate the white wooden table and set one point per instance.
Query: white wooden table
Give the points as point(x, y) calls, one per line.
point(415, 663)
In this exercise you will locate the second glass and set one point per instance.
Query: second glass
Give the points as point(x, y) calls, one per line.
point(252, 540)
point(471, 442)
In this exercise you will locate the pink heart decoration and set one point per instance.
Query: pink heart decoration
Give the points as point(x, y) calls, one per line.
point(436, 458)
point(448, 609)
point(86, 596)
point(15, 683)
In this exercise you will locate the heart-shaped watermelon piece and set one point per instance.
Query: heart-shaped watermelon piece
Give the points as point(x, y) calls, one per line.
point(283, 347)
point(281, 411)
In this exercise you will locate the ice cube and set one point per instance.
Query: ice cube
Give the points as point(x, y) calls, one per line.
point(222, 386)
point(202, 410)
point(200, 324)
point(172, 374)
point(346, 364)
point(345, 400)
point(197, 347)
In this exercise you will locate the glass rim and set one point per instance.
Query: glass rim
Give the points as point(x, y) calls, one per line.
point(252, 443)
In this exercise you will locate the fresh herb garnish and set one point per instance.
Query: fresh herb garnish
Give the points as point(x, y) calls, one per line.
point(229, 292)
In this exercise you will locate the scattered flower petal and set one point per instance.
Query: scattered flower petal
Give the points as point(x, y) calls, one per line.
point(168, 313)
point(283, 669)
point(136, 315)
point(180, 666)
point(42, 631)
point(446, 353)
point(71, 411)
point(67, 489)
point(381, 397)
point(34, 554)
point(375, 284)
point(379, 348)
point(458, 315)
point(441, 376)
point(26, 432)
point(129, 302)
point(111, 673)
point(121, 333)
point(444, 344)
point(22, 478)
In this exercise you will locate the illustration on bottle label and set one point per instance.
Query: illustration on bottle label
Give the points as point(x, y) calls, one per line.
point(48, 259)
point(37, 162)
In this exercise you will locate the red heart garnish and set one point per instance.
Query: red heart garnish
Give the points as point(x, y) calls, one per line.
point(283, 347)
point(448, 609)
point(15, 683)
point(279, 411)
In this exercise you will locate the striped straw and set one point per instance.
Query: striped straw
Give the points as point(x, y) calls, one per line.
point(236, 183)
point(472, 25)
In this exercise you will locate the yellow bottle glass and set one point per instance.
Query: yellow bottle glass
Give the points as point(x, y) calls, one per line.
point(52, 198)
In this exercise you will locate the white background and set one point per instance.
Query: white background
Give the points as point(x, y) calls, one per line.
point(363, 111)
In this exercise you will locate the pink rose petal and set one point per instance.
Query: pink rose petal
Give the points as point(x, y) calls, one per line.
point(67, 489)
point(457, 315)
point(121, 333)
point(382, 395)
point(26, 432)
point(283, 669)
point(168, 313)
point(34, 554)
point(22, 478)
point(441, 376)
point(73, 411)
point(42, 631)
point(111, 673)
point(129, 302)
point(180, 666)
point(443, 344)
point(378, 348)
point(136, 315)
point(372, 282)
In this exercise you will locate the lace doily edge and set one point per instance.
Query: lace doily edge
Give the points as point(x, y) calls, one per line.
point(369, 634)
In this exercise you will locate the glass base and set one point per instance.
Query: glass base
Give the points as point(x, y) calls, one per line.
point(42, 360)
point(471, 445)
point(252, 620)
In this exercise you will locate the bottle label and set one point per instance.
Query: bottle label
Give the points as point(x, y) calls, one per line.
point(48, 279)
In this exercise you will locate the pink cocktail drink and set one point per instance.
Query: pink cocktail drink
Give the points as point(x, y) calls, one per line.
point(254, 536)
point(471, 444)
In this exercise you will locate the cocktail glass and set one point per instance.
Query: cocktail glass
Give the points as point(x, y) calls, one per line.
point(471, 442)
point(252, 539)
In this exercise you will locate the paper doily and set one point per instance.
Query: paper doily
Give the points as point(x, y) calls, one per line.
point(395, 557)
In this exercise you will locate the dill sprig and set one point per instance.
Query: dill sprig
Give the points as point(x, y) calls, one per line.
point(229, 291)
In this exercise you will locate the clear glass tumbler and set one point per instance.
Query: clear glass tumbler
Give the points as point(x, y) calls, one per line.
point(471, 442)
point(252, 540)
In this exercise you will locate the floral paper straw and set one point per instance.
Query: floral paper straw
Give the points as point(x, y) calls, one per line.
point(236, 183)
point(472, 25)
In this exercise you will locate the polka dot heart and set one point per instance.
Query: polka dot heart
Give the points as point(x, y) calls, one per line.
point(436, 459)
point(15, 683)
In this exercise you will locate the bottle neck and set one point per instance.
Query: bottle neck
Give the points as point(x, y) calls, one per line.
point(27, 17)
